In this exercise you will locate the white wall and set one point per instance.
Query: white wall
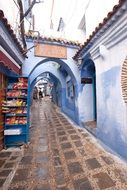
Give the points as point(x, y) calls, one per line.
point(108, 60)
point(86, 111)
point(32, 61)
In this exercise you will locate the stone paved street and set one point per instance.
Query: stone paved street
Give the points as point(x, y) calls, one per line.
point(63, 157)
point(9, 160)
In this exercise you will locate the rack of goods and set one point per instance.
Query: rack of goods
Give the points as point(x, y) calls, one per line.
point(16, 112)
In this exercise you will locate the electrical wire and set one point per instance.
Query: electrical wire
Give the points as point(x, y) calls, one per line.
point(51, 23)
point(16, 4)
point(17, 24)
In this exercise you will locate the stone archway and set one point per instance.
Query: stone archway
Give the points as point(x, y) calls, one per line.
point(56, 82)
point(88, 80)
point(61, 63)
point(47, 66)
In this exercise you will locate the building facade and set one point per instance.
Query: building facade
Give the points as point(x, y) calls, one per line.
point(88, 82)
point(102, 62)
point(11, 59)
point(54, 56)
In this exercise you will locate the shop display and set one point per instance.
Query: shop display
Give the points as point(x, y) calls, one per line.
point(15, 120)
point(13, 103)
point(15, 93)
point(15, 109)
point(21, 84)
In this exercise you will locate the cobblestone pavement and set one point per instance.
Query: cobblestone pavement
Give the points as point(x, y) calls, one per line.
point(9, 160)
point(63, 157)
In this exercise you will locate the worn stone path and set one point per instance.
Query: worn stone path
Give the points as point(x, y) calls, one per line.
point(63, 157)
point(9, 160)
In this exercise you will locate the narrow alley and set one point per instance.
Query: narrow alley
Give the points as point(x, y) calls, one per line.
point(61, 156)
point(63, 95)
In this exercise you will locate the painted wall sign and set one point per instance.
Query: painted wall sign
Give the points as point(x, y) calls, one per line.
point(86, 80)
point(54, 51)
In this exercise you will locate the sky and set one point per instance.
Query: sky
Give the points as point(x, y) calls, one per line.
point(67, 9)
point(71, 12)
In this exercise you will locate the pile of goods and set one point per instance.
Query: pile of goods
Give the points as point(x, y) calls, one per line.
point(15, 93)
point(14, 110)
point(15, 120)
point(6, 106)
point(21, 84)
point(18, 102)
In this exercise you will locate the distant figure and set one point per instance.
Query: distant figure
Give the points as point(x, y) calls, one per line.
point(43, 92)
point(35, 93)
point(40, 94)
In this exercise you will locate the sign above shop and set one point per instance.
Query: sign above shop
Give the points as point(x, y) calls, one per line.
point(54, 51)
point(86, 80)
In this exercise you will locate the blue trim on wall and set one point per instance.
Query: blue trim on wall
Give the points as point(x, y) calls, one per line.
point(94, 98)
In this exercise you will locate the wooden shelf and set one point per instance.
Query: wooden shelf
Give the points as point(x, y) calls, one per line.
point(16, 97)
point(16, 114)
point(17, 89)
point(11, 138)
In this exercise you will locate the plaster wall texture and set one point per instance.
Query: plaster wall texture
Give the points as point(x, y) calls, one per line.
point(70, 65)
point(47, 67)
point(57, 94)
point(86, 103)
point(70, 101)
point(108, 53)
point(111, 109)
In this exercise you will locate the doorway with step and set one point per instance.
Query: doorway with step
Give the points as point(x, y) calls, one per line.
point(88, 80)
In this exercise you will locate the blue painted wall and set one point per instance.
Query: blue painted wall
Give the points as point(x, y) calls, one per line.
point(107, 50)
point(111, 109)
point(35, 66)
point(112, 128)
point(86, 92)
